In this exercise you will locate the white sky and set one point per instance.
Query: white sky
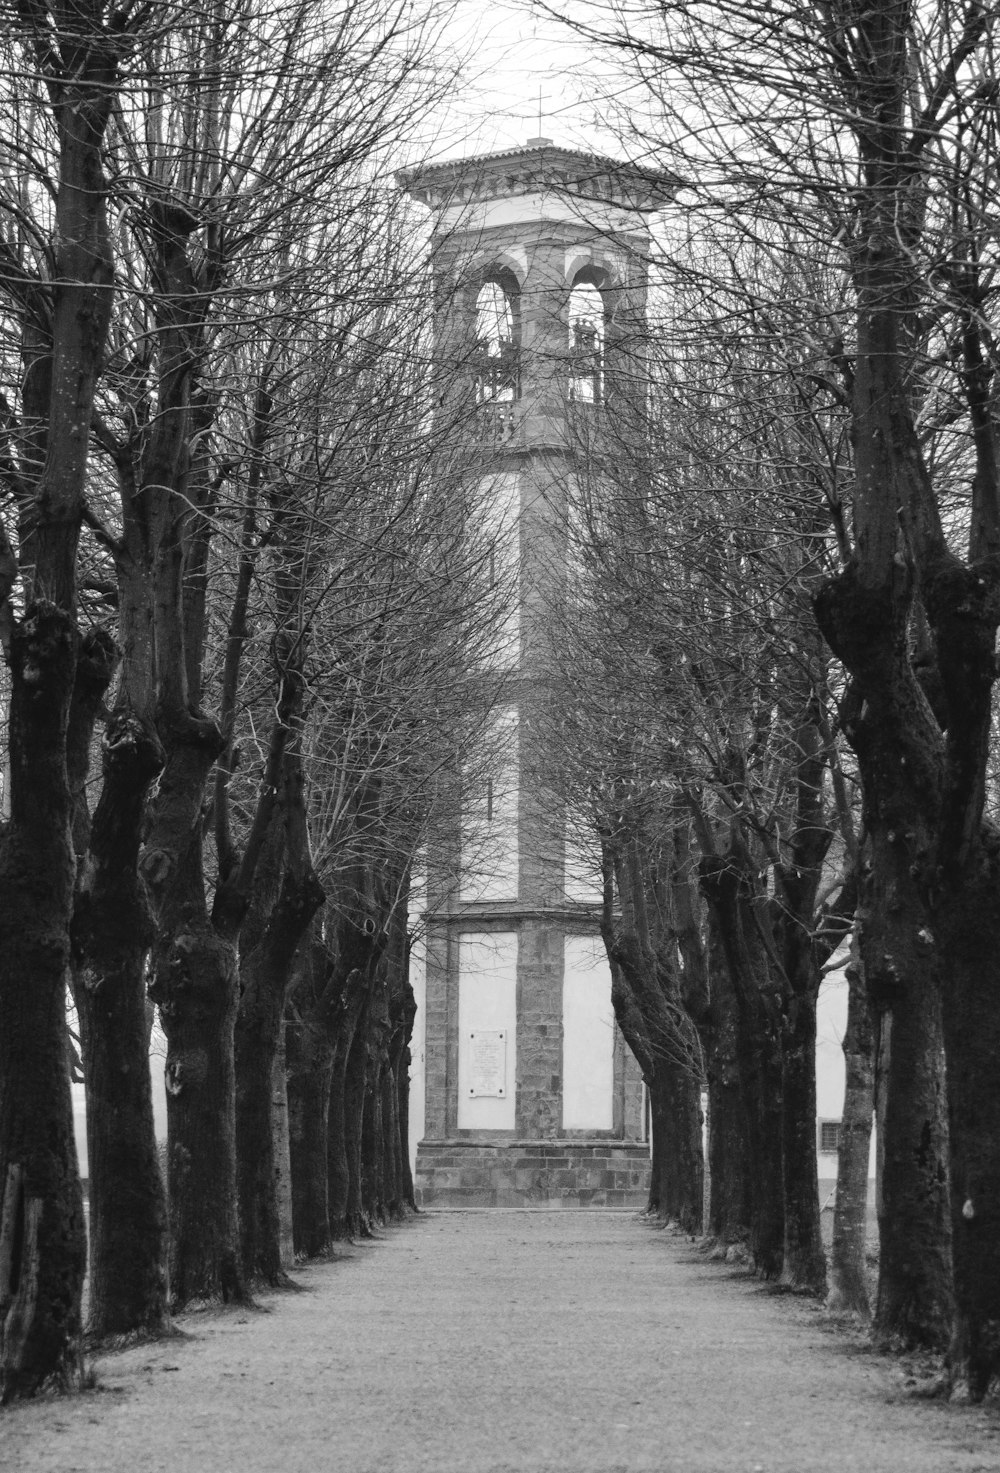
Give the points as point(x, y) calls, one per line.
point(511, 52)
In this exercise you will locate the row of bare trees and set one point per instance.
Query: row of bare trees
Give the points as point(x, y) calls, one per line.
point(805, 578)
point(246, 617)
point(705, 775)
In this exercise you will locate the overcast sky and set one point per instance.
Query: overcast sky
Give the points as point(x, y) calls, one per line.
point(512, 53)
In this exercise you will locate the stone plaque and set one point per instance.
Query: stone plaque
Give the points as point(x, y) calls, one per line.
point(488, 1063)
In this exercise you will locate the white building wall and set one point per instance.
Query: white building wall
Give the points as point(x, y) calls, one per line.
point(487, 1010)
point(588, 1036)
point(831, 1021)
point(489, 815)
point(583, 881)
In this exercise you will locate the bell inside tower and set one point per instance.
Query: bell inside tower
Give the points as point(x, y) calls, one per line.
point(496, 350)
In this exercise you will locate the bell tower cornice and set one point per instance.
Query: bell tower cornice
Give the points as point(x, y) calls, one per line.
point(541, 181)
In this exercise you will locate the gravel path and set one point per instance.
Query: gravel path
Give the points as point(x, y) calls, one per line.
point(514, 1342)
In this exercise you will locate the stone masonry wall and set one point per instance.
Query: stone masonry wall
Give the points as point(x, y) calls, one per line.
point(549, 1174)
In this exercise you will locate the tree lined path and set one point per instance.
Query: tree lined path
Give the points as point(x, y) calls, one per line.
point(583, 1342)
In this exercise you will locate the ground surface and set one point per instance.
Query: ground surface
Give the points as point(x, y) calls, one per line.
point(513, 1342)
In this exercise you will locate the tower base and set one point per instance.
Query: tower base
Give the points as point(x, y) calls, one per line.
point(548, 1174)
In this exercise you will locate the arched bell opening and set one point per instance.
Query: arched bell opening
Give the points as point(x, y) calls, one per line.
point(496, 355)
point(606, 344)
point(587, 332)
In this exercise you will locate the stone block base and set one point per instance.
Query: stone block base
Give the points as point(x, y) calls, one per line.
point(570, 1173)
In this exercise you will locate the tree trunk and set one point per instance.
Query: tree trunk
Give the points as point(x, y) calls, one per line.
point(266, 978)
point(630, 1021)
point(678, 1161)
point(310, 1067)
point(42, 1242)
point(848, 1277)
point(42, 1248)
point(282, 1151)
point(355, 995)
point(968, 929)
point(408, 1012)
point(761, 1076)
point(646, 998)
point(407, 1194)
point(731, 898)
point(865, 616)
point(659, 1116)
point(354, 1108)
point(198, 1011)
point(803, 1259)
point(196, 988)
point(390, 1128)
point(112, 933)
point(372, 1139)
point(915, 1303)
point(729, 1208)
point(399, 1025)
point(729, 1202)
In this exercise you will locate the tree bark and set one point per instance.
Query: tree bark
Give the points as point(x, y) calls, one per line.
point(354, 997)
point(646, 995)
point(760, 1072)
point(373, 1134)
point(731, 898)
point(42, 1250)
point(196, 987)
point(310, 1068)
point(407, 1012)
point(42, 1243)
point(282, 1151)
point(970, 924)
point(896, 738)
point(354, 1108)
point(803, 1259)
point(112, 932)
point(407, 1193)
point(729, 1207)
point(266, 974)
point(678, 1159)
point(848, 1277)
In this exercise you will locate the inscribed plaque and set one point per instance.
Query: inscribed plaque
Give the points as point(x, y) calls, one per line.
point(488, 1062)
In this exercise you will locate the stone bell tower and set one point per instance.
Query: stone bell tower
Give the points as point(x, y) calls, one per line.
point(531, 1095)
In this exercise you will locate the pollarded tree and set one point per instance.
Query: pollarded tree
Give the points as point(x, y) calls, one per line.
point(701, 560)
point(61, 76)
point(403, 686)
point(875, 129)
point(243, 158)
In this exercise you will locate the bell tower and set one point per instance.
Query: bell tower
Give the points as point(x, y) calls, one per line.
point(531, 1097)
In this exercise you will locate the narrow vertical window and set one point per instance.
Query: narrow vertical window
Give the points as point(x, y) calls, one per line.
point(586, 344)
point(496, 345)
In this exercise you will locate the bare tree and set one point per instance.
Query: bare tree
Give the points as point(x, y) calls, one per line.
point(701, 557)
point(60, 79)
point(244, 165)
point(874, 131)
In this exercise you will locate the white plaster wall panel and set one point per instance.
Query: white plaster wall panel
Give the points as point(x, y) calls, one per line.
point(499, 507)
point(831, 1021)
point(588, 1036)
point(520, 209)
point(487, 1002)
point(489, 815)
point(583, 882)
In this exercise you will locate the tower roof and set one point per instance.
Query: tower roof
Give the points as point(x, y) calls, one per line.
point(541, 167)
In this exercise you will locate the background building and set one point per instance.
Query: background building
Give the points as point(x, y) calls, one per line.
point(530, 1093)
